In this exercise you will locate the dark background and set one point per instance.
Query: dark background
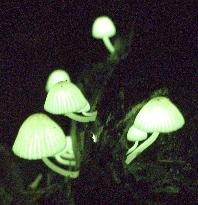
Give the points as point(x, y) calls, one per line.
point(39, 37)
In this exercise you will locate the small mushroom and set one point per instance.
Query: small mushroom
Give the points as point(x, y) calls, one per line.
point(158, 115)
point(135, 135)
point(65, 98)
point(104, 28)
point(55, 77)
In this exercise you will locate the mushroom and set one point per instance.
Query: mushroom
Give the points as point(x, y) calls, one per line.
point(104, 28)
point(157, 115)
point(55, 77)
point(65, 98)
point(134, 134)
point(40, 137)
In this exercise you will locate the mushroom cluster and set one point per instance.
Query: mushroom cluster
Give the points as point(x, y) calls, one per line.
point(40, 138)
point(159, 115)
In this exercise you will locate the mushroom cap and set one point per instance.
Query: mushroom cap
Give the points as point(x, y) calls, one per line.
point(159, 115)
point(135, 134)
point(65, 97)
point(39, 136)
point(55, 77)
point(102, 27)
point(86, 108)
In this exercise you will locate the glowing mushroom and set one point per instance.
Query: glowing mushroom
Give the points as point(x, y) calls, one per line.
point(135, 135)
point(158, 115)
point(55, 77)
point(40, 137)
point(104, 28)
point(65, 98)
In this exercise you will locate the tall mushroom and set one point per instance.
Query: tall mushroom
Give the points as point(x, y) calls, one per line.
point(39, 137)
point(104, 28)
point(158, 115)
point(65, 98)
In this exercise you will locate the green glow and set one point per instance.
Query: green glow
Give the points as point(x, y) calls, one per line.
point(64, 161)
point(66, 156)
point(133, 147)
point(38, 137)
point(108, 44)
point(65, 98)
point(135, 135)
point(59, 170)
point(55, 77)
point(142, 147)
point(89, 117)
point(104, 28)
point(34, 185)
point(158, 115)
point(86, 108)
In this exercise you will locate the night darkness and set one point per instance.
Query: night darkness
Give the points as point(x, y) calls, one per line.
point(157, 47)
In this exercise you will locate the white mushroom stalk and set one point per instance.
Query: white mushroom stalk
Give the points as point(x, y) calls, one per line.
point(108, 44)
point(66, 157)
point(89, 117)
point(84, 115)
point(59, 170)
point(132, 148)
point(134, 134)
point(65, 161)
point(142, 147)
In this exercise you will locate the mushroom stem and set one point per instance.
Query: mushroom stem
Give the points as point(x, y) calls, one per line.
point(66, 154)
point(89, 114)
point(59, 170)
point(34, 185)
point(68, 162)
point(142, 147)
point(133, 147)
point(81, 118)
point(108, 44)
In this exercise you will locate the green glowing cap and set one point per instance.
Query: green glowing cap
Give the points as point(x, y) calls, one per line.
point(55, 77)
point(86, 108)
point(38, 137)
point(159, 115)
point(102, 27)
point(135, 134)
point(65, 97)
